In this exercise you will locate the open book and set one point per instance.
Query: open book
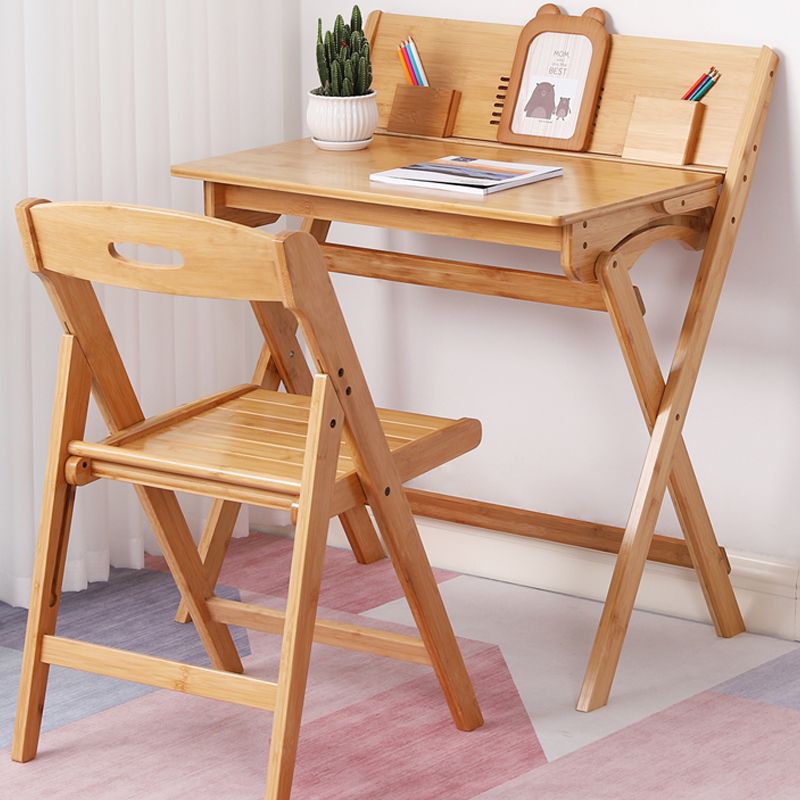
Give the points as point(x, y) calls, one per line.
point(462, 174)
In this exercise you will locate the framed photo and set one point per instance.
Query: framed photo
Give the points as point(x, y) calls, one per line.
point(555, 81)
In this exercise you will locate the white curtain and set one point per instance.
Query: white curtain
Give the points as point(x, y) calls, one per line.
point(97, 99)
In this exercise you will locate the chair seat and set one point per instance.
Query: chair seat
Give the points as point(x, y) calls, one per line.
point(248, 444)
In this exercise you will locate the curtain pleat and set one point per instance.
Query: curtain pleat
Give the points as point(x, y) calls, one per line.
point(99, 99)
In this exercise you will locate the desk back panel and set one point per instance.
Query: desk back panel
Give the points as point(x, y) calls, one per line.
point(476, 58)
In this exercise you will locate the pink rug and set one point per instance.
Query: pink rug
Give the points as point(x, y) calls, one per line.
point(377, 728)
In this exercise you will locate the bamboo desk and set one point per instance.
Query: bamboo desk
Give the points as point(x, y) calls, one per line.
point(601, 216)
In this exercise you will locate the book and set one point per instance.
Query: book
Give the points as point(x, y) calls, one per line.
point(470, 175)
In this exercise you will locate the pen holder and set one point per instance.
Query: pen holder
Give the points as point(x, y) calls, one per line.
point(663, 130)
point(423, 110)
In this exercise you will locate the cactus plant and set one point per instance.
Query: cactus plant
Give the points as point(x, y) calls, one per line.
point(343, 58)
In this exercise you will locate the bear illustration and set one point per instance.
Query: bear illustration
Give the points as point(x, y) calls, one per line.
point(563, 108)
point(542, 102)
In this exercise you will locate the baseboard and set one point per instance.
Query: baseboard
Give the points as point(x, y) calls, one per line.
point(766, 589)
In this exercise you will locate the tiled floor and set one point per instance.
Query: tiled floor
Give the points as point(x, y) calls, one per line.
point(691, 715)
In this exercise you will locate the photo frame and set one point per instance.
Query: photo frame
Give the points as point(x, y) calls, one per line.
point(555, 80)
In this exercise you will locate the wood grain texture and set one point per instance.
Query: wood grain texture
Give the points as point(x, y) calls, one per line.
point(70, 407)
point(356, 523)
point(518, 284)
point(98, 229)
point(252, 445)
point(310, 295)
point(663, 130)
point(425, 110)
point(476, 56)
point(678, 391)
point(159, 672)
point(547, 527)
point(78, 310)
point(336, 634)
point(587, 189)
point(325, 423)
point(640, 356)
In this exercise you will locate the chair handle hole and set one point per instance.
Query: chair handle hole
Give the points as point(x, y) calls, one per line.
point(157, 257)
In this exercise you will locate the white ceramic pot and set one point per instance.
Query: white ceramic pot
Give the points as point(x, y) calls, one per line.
point(342, 123)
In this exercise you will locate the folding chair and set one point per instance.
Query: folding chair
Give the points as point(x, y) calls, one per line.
point(246, 445)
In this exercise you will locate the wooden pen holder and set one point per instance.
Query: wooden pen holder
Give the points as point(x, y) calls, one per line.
point(663, 130)
point(423, 110)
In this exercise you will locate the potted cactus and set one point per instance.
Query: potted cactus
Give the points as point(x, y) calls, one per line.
point(342, 113)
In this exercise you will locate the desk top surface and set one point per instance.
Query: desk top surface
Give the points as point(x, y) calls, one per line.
point(589, 187)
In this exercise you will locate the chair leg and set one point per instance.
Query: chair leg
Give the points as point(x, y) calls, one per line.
point(279, 328)
point(183, 560)
point(413, 569)
point(213, 545)
point(319, 475)
point(280, 360)
point(69, 420)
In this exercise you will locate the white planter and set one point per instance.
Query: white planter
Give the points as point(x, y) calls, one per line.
point(342, 123)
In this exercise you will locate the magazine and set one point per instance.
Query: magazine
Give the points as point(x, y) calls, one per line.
point(470, 175)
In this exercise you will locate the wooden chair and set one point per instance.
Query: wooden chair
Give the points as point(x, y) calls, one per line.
point(249, 444)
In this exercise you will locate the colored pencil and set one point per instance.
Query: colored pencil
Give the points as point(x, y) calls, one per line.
point(708, 82)
point(696, 85)
point(409, 64)
point(412, 63)
point(412, 46)
point(704, 90)
point(403, 61)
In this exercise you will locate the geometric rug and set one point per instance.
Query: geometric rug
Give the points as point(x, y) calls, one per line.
point(375, 727)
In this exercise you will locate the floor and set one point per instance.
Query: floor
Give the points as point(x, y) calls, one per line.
point(691, 715)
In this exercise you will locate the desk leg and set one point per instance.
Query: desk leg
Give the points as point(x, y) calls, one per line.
point(640, 356)
point(666, 463)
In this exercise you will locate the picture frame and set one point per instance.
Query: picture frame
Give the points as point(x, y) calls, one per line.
point(555, 80)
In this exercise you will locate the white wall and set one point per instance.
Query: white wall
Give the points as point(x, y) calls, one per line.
point(562, 428)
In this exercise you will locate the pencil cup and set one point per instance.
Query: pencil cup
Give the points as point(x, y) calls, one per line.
point(423, 110)
point(663, 130)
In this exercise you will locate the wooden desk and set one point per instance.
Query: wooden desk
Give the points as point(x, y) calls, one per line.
point(601, 216)
point(591, 204)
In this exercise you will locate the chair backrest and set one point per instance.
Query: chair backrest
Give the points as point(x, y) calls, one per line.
point(476, 58)
point(69, 245)
point(218, 259)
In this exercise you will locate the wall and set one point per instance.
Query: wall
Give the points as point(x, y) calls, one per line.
point(562, 428)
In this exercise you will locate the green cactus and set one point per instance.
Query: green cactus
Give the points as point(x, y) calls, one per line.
point(361, 79)
point(338, 31)
point(322, 65)
point(336, 79)
point(344, 58)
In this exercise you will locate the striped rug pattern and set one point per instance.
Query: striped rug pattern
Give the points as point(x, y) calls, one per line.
point(372, 727)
